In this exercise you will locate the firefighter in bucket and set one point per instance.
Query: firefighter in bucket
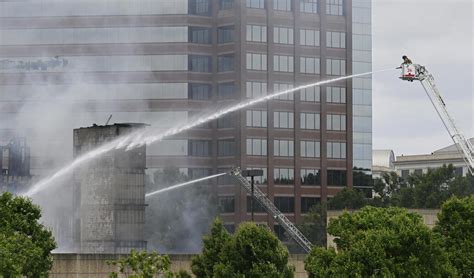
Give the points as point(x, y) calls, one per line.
point(409, 70)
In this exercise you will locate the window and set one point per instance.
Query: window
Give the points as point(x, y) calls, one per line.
point(256, 33)
point(309, 37)
point(337, 177)
point(283, 176)
point(227, 121)
point(225, 63)
point(310, 177)
point(336, 122)
point(280, 233)
point(200, 7)
point(226, 204)
point(458, 171)
point(309, 6)
point(200, 35)
point(283, 119)
point(261, 179)
point(334, 7)
point(226, 90)
point(283, 148)
point(256, 89)
point(200, 63)
point(336, 95)
point(283, 63)
point(199, 91)
point(336, 150)
point(282, 5)
point(310, 120)
point(199, 148)
point(285, 204)
point(309, 65)
point(256, 118)
point(196, 173)
point(257, 147)
point(310, 149)
point(418, 172)
point(226, 4)
point(256, 61)
point(225, 179)
point(256, 4)
point(225, 34)
point(312, 94)
point(283, 35)
point(280, 87)
point(257, 208)
point(336, 39)
point(226, 147)
point(308, 202)
point(230, 228)
point(405, 174)
point(335, 67)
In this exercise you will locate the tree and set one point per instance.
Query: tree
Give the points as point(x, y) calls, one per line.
point(142, 265)
point(314, 225)
point(347, 199)
point(253, 251)
point(25, 244)
point(456, 226)
point(380, 242)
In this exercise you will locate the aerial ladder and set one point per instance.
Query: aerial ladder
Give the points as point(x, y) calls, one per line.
point(271, 209)
point(411, 72)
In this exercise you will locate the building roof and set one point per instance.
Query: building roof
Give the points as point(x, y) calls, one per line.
point(383, 158)
point(451, 148)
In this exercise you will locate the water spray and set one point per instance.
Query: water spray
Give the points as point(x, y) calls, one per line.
point(182, 185)
point(150, 135)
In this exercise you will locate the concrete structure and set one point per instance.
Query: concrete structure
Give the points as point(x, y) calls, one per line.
point(109, 193)
point(383, 162)
point(14, 166)
point(162, 62)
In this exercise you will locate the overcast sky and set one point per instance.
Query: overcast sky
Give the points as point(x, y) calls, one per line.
point(437, 34)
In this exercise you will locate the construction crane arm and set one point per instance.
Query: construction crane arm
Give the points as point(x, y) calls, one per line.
point(268, 205)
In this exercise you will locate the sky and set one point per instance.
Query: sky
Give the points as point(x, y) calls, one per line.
point(439, 35)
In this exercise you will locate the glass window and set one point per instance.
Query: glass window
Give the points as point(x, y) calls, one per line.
point(405, 174)
point(283, 119)
point(309, 65)
point(418, 172)
point(200, 7)
point(257, 147)
point(310, 177)
point(256, 118)
point(226, 147)
point(283, 35)
point(225, 179)
point(336, 122)
point(226, 204)
point(280, 233)
point(312, 94)
point(283, 148)
point(227, 121)
point(256, 33)
point(225, 62)
point(200, 63)
point(336, 150)
point(255, 4)
point(335, 95)
point(225, 34)
point(310, 149)
point(200, 35)
point(281, 87)
point(256, 61)
point(335, 7)
point(309, 37)
point(310, 120)
point(308, 202)
point(336, 39)
point(261, 179)
point(335, 67)
point(337, 177)
point(255, 89)
point(199, 91)
point(199, 148)
point(196, 173)
point(226, 90)
point(283, 176)
point(309, 6)
point(285, 204)
point(257, 208)
point(226, 4)
point(282, 5)
point(283, 63)
point(230, 228)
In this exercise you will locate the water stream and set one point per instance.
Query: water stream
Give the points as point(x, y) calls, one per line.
point(183, 184)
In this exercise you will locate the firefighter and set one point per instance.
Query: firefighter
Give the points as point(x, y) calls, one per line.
point(406, 60)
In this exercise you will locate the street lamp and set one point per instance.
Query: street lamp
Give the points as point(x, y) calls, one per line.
point(252, 173)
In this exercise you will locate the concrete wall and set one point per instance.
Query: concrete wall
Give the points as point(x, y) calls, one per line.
point(95, 265)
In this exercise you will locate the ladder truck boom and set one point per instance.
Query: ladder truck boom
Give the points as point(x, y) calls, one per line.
point(412, 72)
point(268, 205)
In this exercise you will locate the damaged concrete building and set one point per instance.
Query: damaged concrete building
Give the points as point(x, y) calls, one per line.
point(109, 193)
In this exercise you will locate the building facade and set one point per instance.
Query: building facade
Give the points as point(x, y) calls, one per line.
point(164, 62)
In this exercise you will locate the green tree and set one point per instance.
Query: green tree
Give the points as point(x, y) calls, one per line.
point(380, 242)
point(253, 251)
point(347, 199)
point(313, 225)
point(25, 244)
point(456, 226)
point(142, 265)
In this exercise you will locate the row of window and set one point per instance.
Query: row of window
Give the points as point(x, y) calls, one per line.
point(310, 121)
point(333, 7)
point(284, 204)
point(285, 148)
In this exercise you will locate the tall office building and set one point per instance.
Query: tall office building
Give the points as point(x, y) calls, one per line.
point(162, 62)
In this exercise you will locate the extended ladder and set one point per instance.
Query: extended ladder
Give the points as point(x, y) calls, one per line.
point(463, 145)
point(271, 209)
